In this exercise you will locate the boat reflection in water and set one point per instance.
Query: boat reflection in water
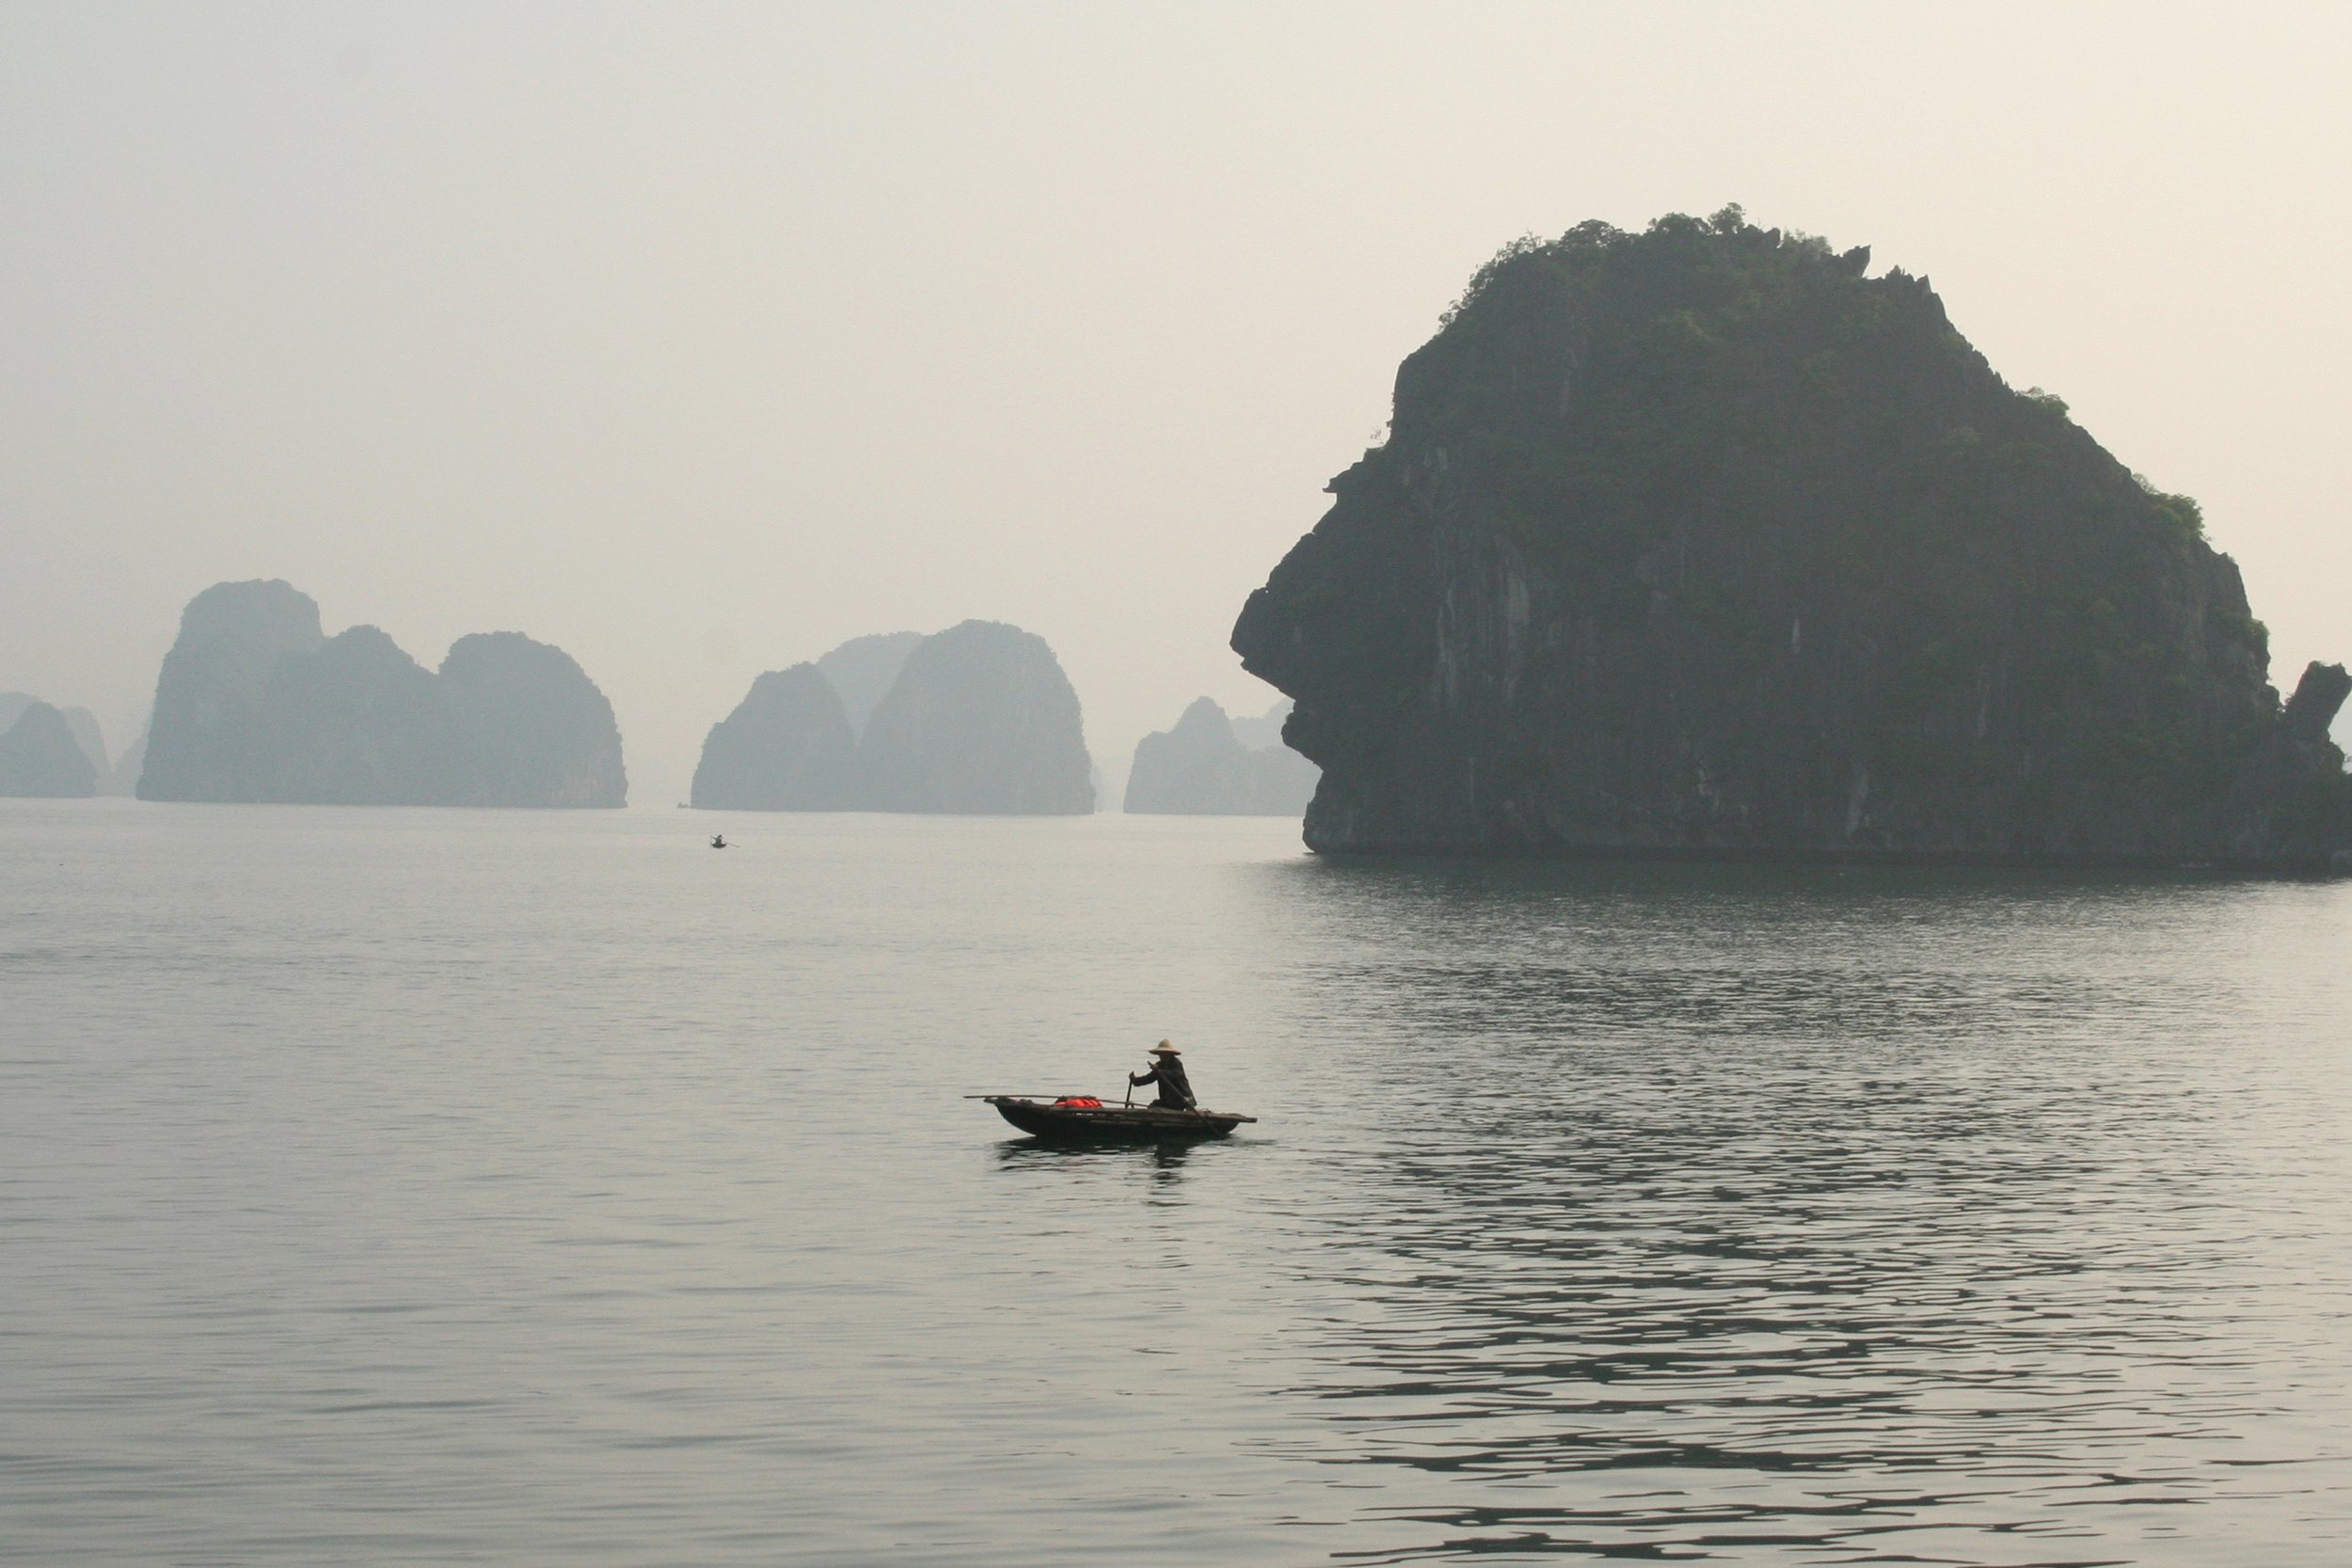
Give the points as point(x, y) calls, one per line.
point(1040, 1155)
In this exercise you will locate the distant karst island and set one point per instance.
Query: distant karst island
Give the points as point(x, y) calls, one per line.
point(257, 704)
point(82, 725)
point(1210, 765)
point(1702, 542)
point(43, 754)
point(978, 718)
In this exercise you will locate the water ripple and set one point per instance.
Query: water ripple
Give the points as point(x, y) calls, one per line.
point(398, 1187)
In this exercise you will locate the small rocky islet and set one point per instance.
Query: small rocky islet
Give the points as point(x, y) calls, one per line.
point(979, 718)
point(1211, 765)
point(122, 777)
point(1701, 541)
point(788, 746)
point(257, 704)
point(40, 755)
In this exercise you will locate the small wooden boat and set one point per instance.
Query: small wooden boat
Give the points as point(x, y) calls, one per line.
point(1075, 1119)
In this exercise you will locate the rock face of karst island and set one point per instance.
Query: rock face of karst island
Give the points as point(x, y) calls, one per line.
point(982, 719)
point(1702, 542)
point(862, 670)
point(976, 720)
point(1204, 767)
point(41, 758)
point(257, 704)
point(788, 746)
point(79, 722)
point(123, 778)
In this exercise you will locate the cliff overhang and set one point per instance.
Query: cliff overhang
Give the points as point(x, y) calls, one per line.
point(1703, 543)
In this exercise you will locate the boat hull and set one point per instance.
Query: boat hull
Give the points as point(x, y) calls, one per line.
point(1042, 1118)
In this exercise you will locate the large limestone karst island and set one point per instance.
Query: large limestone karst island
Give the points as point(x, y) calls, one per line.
point(257, 704)
point(1701, 541)
point(979, 718)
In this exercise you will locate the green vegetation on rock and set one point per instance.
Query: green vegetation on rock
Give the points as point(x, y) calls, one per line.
point(1704, 540)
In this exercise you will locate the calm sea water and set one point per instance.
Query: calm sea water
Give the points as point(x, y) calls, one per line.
point(437, 1187)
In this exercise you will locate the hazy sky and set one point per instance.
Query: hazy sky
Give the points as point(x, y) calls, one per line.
point(696, 338)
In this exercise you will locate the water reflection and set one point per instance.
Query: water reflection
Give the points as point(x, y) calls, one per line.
point(1162, 1163)
point(1040, 1154)
point(1702, 1215)
point(1666, 1212)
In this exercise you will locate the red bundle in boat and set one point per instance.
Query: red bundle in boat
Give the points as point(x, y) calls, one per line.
point(1080, 1101)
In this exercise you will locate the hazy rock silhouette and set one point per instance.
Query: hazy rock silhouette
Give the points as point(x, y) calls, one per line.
point(862, 670)
point(123, 779)
point(1265, 730)
point(78, 721)
point(1202, 768)
point(86, 735)
point(205, 740)
point(40, 758)
point(788, 746)
point(255, 703)
point(354, 721)
point(1701, 541)
point(980, 719)
point(532, 727)
point(81, 722)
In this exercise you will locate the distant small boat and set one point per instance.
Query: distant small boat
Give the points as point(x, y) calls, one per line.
point(1073, 1119)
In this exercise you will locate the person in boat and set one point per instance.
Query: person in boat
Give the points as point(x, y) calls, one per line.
point(718, 840)
point(1167, 1071)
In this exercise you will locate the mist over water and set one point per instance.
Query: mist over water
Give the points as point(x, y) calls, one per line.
point(414, 1186)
